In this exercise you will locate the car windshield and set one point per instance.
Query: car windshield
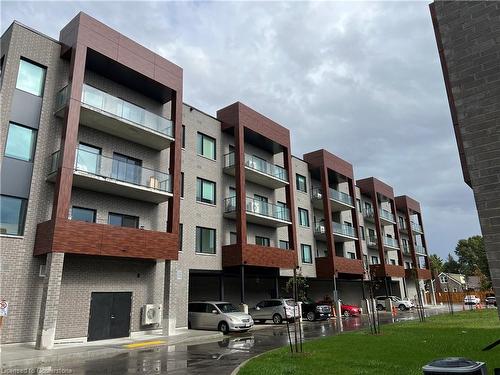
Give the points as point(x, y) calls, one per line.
point(227, 307)
point(396, 298)
point(290, 302)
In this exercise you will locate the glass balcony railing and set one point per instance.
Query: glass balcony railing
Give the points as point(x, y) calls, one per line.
point(345, 230)
point(259, 165)
point(388, 241)
point(109, 168)
point(341, 197)
point(112, 105)
point(419, 249)
point(371, 241)
point(368, 213)
point(416, 227)
point(255, 206)
point(406, 249)
point(387, 215)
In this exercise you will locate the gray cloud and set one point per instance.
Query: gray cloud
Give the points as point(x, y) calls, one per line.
point(362, 80)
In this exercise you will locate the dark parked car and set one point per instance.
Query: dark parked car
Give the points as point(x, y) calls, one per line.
point(491, 301)
point(315, 311)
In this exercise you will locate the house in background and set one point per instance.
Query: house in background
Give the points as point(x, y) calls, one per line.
point(455, 282)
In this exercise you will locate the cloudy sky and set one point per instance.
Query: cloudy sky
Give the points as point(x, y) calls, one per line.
point(362, 80)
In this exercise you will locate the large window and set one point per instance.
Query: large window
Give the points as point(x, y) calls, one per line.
point(126, 168)
point(12, 215)
point(306, 253)
point(301, 183)
point(88, 159)
point(303, 217)
point(262, 241)
point(20, 142)
point(83, 214)
point(205, 191)
point(284, 245)
point(206, 146)
point(123, 220)
point(30, 78)
point(205, 240)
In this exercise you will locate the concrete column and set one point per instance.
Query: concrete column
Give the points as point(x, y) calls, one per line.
point(50, 301)
point(175, 298)
point(156, 292)
point(433, 293)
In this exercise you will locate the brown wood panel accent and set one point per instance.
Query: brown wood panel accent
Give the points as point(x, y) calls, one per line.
point(324, 268)
point(290, 198)
point(78, 237)
point(318, 158)
point(241, 213)
point(372, 184)
point(174, 204)
point(327, 210)
point(397, 236)
point(384, 270)
point(260, 256)
point(422, 274)
point(405, 202)
point(232, 255)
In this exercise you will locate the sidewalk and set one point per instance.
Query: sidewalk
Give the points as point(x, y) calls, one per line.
point(26, 354)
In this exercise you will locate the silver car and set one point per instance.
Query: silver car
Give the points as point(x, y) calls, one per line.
point(276, 310)
point(215, 315)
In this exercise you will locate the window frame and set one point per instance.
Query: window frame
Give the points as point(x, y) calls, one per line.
point(123, 216)
point(298, 176)
point(287, 244)
point(23, 213)
point(304, 246)
point(94, 213)
point(306, 213)
point(34, 136)
point(199, 144)
point(183, 137)
point(265, 241)
point(44, 78)
point(182, 184)
point(181, 236)
point(200, 188)
point(199, 240)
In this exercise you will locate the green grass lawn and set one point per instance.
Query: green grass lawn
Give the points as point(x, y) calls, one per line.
point(401, 348)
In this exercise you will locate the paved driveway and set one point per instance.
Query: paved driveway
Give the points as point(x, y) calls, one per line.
point(216, 357)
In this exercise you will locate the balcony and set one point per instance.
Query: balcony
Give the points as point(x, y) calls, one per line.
point(258, 170)
point(387, 270)
point(107, 175)
point(341, 232)
point(345, 267)
point(258, 256)
point(79, 237)
point(259, 212)
point(115, 116)
point(416, 228)
point(406, 250)
point(391, 243)
point(386, 217)
point(339, 201)
point(419, 249)
point(369, 214)
point(372, 242)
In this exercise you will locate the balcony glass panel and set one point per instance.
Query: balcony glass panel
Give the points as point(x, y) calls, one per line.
point(386, 215)
point(368, 213)
point(419, 249)
point(416, 227)
point(390, 242)
point(259, 165)
point(345, 230)
point(102, 101)
point(341, 197)
point(372, 241)
point(258, 207)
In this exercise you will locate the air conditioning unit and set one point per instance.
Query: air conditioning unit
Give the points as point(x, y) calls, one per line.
point(151, 314)
point(321, 229)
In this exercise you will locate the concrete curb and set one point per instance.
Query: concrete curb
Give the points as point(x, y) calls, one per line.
point(237, 369)
point(56, 355)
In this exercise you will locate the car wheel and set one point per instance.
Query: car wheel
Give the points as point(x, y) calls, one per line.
point(380, 307)
point(346, 314)
point(310, 316)
point(402, 307)
point(224, 327)
point(277, 319)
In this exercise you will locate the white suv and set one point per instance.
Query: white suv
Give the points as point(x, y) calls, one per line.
point(401, 304)
point(471, 300)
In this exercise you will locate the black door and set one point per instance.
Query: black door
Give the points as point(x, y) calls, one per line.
point(109, 315)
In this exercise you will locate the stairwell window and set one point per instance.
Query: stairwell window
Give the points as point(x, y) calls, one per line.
point(205, 146)
point(12, 215)
point(30, 78)
point(306, 253)
point(304, 217)
point(20, 142)
point(301, 183)
point(205, 240)
point(205, 191)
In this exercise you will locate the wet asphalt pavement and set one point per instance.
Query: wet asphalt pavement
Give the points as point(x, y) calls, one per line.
point(220, 357)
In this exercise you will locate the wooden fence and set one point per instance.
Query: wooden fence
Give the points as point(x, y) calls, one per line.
point(458, 297)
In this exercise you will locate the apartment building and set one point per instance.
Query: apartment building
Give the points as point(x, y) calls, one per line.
point(116, 195)
point(467, 35)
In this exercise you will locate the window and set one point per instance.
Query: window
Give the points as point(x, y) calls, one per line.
point(183, 137)
point(284, 245)
point(20, 142)
point(368, 207)
point(401, 222)
point(30, 78)
point(281, 211)
point(362, 232)
point(83, 214)
point(181, 236)
point(365, 260)
point(262, 241)
point(445, 289)
point(301, 183)
point(12, 215)
point(455, 290)
point(306, 253)
point(126, 168)
point(205, 240)
point(443, 278)
point(303, 217)
point(358, 201)
point(123, 220)
point(182, 184)
point(205, 191)
point(351, 255)
point(374, 259)
point(407, 265)
point(393, 262)
point(88, 159)
point(371, 235)
point(206, 146)
point(233, 238)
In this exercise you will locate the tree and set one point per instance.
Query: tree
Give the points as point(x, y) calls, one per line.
point(436, 265)
point(471, 255)
point(451, 265)
point(302, 287)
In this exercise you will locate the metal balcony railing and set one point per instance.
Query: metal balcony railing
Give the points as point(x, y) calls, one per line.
point(113, 169)
point(390, 242)
point(416, 227)
point(345, 230)
point(419, 249)
point(341, 197)
point(259, 207)
point(386, 215)
point(371, 241)
point(368, 213)
point(406, 249)
point(258, 165)
point(112, 105)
